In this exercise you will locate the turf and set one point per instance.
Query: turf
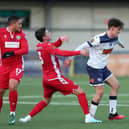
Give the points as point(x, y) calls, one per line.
point(64, 112)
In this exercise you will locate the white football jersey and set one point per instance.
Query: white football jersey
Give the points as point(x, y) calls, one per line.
point(100, 47)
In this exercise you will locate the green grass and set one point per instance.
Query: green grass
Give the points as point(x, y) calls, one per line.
point(64, 115)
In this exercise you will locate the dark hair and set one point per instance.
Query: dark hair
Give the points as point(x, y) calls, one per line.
point(13, 19)
point(40, 33)
point(115, 22)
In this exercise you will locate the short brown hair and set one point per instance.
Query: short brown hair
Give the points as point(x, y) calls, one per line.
point(40, 33)
point(115, 22)
point(13, 19)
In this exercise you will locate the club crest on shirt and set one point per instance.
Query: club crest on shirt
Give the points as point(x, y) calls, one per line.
point(92, 40)
point(18, 37)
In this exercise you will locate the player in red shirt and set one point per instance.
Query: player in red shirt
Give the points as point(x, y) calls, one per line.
point(13, 45)
point(53, 80)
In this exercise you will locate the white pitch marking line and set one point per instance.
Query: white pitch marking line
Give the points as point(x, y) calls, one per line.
point(63, 103)
point(68, 96)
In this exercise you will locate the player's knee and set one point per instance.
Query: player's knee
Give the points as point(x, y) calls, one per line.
point(99, 92)
point(116, 87)
point(97, 98)
point(12, 88)
point(98, 95)
point(13, 84)
point(47, 100)
point(78, 91)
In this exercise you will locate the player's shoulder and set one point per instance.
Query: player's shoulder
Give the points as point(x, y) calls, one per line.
point(97, 38)
point(105, 39)
point(100, 35)
point(42, 45)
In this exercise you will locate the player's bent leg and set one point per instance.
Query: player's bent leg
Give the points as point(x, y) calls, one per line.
point(38, 108)
point(114, 84)
point(84, 105)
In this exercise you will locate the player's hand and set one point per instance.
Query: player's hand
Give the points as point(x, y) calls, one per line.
point(67, 62)
point(8, 54)
point(121, 45)
point(64, 38)
point(84, 52)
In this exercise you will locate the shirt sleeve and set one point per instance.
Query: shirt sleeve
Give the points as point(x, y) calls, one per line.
point(82, 46)
point(58, 43)
point(56, 51)
point(120, 44)
point(95, 41)
point(23, 48)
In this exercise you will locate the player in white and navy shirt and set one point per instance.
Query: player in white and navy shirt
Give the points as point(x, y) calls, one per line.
point(100, 47)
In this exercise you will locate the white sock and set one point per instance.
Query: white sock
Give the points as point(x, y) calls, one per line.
point(112, 107)
point(93, 108)
point(12, 113)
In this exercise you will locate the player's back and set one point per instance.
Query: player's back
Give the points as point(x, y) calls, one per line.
point(50, 64)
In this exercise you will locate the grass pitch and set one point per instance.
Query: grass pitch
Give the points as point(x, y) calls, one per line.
point(64, 112)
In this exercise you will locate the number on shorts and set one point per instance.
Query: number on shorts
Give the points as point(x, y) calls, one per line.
point(18, 71)
point(63, 81)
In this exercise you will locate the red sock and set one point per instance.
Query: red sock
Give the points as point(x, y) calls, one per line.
point(38, 107)
point(83, 103)
point(13, 100)
point(1, 103)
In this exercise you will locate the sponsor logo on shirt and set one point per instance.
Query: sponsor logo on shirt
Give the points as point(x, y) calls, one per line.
point(107, 51)
point(12, 44)
point(92, 40)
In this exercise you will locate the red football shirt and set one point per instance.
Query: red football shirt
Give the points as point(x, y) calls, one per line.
point(47, 53)
point(15, 42)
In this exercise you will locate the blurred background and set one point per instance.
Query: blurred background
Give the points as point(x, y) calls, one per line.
point(78, 19)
